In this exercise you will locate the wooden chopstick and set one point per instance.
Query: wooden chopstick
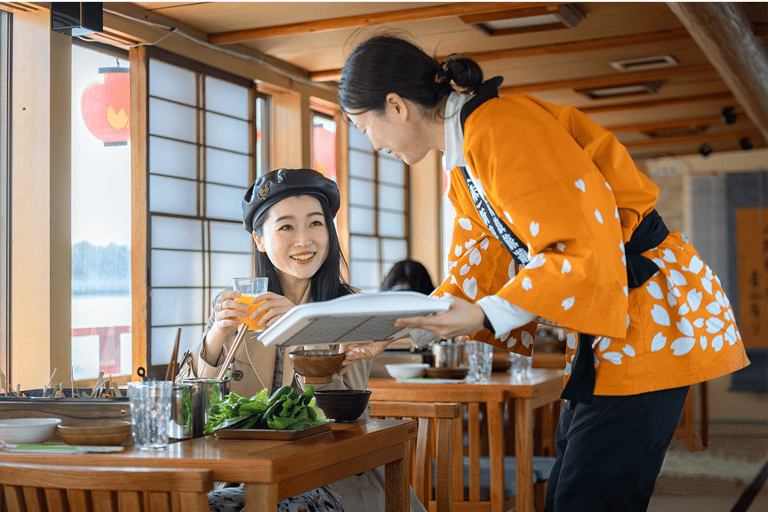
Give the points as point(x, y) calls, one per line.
point(170, 372)
point(231, 354)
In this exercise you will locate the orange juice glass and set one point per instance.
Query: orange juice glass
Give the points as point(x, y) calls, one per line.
point(249, 287)
point(251, 323)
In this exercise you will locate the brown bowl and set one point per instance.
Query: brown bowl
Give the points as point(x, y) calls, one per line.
point(95, 433)
point(316, 366)
point(342, 405)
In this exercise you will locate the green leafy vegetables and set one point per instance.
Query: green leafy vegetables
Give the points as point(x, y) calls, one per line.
point(286, 409)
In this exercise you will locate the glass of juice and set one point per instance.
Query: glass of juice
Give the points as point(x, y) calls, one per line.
point(249, 287)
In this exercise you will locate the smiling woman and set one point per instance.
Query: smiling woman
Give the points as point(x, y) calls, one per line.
point(289, 214)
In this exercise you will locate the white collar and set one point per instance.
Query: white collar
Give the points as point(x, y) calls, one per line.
point(454, 135)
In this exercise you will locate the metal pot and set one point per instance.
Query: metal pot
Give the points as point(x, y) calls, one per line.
point(448, 354)
point(200, 394)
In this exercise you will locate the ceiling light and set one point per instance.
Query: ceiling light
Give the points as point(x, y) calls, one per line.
point(705, 149)
point(621, 90)
point(659, 61)
point(728, 115)
point(531, 19)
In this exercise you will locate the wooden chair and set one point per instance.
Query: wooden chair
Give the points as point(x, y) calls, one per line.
point(44, 488)
point(434, 442)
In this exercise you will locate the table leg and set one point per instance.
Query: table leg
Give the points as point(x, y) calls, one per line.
point(397, 482)
point(261, 496)
point(524, 454)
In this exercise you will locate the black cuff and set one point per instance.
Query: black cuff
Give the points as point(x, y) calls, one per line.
point(487, 324)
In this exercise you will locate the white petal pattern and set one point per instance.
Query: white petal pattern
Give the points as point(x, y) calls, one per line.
point(682, 346)
point(614, 357)
point(659, 263)
point(730, 334)
point(474, 257)
point(655, 290)
point(605, 342)
point(628, 350)
point(598, 216)
point(485, 243)
point(509, 219)
point(571, 341)
point(465, 223)
point(526, 338)
point(694, 299)
point(695, 265)
point(464, 269)
point(566, 266)
point(685, 327)
point(677, 277)
point(458, 250)
point(658, 342)
point(660, 315)
point(536, 261)
point(580, 185)
point(717, 342)
point(714, 308)
point(470, 287)
point(560, 246)
point(698, 323)
point(707, 284)
point(527, 283)
point(684, 309)
point(669, 256)
point(703, 342)
point(714, 325)
point(568, 303)
point(534, 228)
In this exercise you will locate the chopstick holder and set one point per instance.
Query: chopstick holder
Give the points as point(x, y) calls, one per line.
point(231, 354)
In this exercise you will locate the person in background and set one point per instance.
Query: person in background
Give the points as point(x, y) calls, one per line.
point(554, 221)
point(289, 213)
point(408, 275)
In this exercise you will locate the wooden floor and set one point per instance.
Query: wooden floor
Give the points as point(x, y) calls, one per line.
point(676, 492)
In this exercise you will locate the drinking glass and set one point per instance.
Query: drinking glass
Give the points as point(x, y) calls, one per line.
point(249, 287)
point(521, 366)
point(480, 361)
point(150, 403)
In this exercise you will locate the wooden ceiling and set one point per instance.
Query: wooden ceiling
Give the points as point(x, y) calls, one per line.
point(680, 110)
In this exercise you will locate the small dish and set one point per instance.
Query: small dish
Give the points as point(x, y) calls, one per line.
point(406, 370)
point(27, 430)
point(95, 433)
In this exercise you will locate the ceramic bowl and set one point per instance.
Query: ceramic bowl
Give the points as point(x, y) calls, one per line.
point(406, 370)
point(342, 405)
point(27, 430)
point(96, 432)
point(316, 366)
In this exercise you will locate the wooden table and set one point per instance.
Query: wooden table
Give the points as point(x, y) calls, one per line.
point(543, 387)
point(275, 470)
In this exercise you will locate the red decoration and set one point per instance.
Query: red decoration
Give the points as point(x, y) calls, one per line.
point(324, 145)
point(106, 107)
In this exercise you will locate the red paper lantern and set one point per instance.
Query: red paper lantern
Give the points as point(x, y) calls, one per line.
point(107, 107)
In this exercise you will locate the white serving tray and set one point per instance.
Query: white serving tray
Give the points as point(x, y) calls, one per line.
point(355, 318)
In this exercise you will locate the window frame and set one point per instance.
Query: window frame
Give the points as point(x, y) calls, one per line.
point(141, 254)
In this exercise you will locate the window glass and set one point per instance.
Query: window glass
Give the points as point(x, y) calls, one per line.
point(202, 201)
point(101, 215)
point(4, 190)
point(361, 164)
point(361, 192)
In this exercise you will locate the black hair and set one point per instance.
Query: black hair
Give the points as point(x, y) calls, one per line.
point(387, 64)
point(408, 275)
point(328, 282)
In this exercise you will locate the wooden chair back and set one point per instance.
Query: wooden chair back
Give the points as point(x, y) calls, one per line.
point(50, 488)
point(434, 441)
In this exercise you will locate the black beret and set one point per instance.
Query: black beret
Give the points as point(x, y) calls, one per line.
point(277, 185)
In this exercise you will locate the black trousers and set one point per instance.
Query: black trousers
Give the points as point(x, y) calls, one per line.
point(609, 453)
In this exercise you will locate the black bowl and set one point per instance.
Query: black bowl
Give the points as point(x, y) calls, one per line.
point(342, 405)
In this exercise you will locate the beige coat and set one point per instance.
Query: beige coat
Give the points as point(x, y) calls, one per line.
point(254, 365)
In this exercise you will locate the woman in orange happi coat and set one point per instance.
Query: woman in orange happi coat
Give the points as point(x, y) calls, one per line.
point(555, 223)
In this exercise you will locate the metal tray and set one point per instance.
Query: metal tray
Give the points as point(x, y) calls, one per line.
point(274, 435)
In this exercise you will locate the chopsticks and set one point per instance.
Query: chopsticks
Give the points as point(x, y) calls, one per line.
point(170, 372)
point(231, 354)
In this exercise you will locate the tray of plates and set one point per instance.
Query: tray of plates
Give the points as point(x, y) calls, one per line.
point(274, 435)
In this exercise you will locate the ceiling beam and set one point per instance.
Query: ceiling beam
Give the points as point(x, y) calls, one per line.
point(586, 45)
point(672, 124)
point(725, 35)
point(597, 82)
point(666, 102)
point(704, 137)
point(418, 13)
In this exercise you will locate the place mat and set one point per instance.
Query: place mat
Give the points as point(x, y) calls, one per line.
point(274, 435)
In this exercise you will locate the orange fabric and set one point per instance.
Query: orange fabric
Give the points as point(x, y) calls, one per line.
point(569, 190)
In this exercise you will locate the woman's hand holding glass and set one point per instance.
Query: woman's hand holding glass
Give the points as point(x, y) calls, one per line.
point(230, 312)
